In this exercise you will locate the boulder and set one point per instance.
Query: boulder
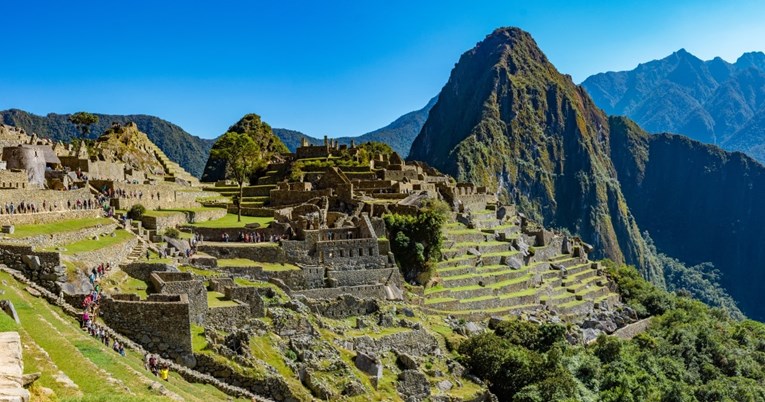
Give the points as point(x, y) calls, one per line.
point(444, 385)
point(413, 385)
point(514, 262)
point(368, 364)
point(407, 361)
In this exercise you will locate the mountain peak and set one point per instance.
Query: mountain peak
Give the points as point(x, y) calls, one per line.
point(751, 59)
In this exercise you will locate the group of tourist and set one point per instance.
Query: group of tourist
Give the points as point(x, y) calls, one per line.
point(26, 207)
point(90, 306)
point(161, 370)
point(254, 237)
point(98, 272)
point(122, 193)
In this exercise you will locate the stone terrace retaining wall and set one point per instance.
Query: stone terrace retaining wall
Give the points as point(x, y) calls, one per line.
point(43, 268)
point(57, 239)
point(363, 276)
point(366, 291)
point(229, 318)
point(159, 323)
point(50, 197)
point(265, 252)
point(113, 255)
point(294, 279)
point(344, 306)
point(273, 386)
point(48, 217)
point(247, 295)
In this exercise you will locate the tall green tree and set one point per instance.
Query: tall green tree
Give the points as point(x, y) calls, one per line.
point(83, 121)
point(242, 156)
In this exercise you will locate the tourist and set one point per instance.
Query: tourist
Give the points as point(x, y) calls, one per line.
point(164, 372)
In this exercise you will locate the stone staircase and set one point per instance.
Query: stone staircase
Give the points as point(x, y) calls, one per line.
point(483, 272)
point(173, 169)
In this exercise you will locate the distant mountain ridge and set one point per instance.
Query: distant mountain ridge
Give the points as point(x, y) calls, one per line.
point(399, 134)
point(712, 101)
point(185, 149)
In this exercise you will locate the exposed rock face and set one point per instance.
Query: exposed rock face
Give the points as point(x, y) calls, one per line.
point(11, 368)
point(698, 203)
point(509, 120)
point(413, 385)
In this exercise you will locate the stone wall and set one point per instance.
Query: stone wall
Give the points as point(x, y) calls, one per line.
point(248, 295)
point(48, 217)
point(14, 179)
point(266, 252)
point(289, 197)
point(160, 323)
point(350, 254)
point(43, 268)
point(142, 270)
point(54, 200)
point(343, 307)
point(59, 238)
point(162, 221)
point(362, 276)
point(271, 385)
point(114, 254)
point(365, 291)
point(415, 343)
point(229, 318)
point(294, 279)
point(176, 283)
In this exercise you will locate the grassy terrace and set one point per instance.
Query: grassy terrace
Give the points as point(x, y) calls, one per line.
point(53, 343)
point(230, 221)
point(267, 266)
point(23, 231)
point(82, 246)
point(217, 299)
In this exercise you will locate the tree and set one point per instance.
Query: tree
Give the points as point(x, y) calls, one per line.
point(242, 157)
point(83, 121)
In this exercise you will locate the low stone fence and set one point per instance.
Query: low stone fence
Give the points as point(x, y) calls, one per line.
point(59, 238)
point(48, 217)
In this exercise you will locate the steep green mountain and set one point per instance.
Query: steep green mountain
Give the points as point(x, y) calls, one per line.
point(699, 203)
point(399, 134)
point(508, 119)
point(711, 101)
point(187, 150)
point(260, 131)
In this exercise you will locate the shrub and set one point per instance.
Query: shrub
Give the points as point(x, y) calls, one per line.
point(136, 211)
point(172, 233)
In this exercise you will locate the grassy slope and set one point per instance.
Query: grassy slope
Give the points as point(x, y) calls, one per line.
point(54, 343)
point(23, 231)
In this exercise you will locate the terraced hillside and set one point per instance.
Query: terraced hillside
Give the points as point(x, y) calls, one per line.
point(73, 365)
point(504, 267)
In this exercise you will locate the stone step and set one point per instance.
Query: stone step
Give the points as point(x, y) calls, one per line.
point(484, 279)
point(463, 236)
point(469, 269)
point(454, 262)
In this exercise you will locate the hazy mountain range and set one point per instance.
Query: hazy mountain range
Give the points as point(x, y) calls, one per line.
point(712, 101)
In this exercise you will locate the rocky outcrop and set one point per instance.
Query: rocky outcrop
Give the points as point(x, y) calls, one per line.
point(11, 368)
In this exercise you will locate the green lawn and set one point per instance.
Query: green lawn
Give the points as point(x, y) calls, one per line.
point(86, 245)
point(160, 214)
point(58, 227)
point(217, 299)
point(230, 221)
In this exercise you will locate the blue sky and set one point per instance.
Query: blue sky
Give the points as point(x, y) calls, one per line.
point(321, 67)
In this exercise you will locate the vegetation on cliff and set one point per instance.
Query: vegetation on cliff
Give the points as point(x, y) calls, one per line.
point(509, 120)
point(690, 352)
point(416, 239)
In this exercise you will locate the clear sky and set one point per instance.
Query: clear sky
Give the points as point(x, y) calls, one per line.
point(321, 67)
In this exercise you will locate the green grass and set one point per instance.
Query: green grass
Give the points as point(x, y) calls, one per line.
point(217, 299)
point(54, 342)
point(198, 340)
point(86, 245)
point(161, 214)
point(207, 273)
point(57, 227)
point(230, 221)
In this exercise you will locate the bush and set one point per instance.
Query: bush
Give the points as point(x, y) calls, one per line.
point(136, 211)
point(172, 233)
